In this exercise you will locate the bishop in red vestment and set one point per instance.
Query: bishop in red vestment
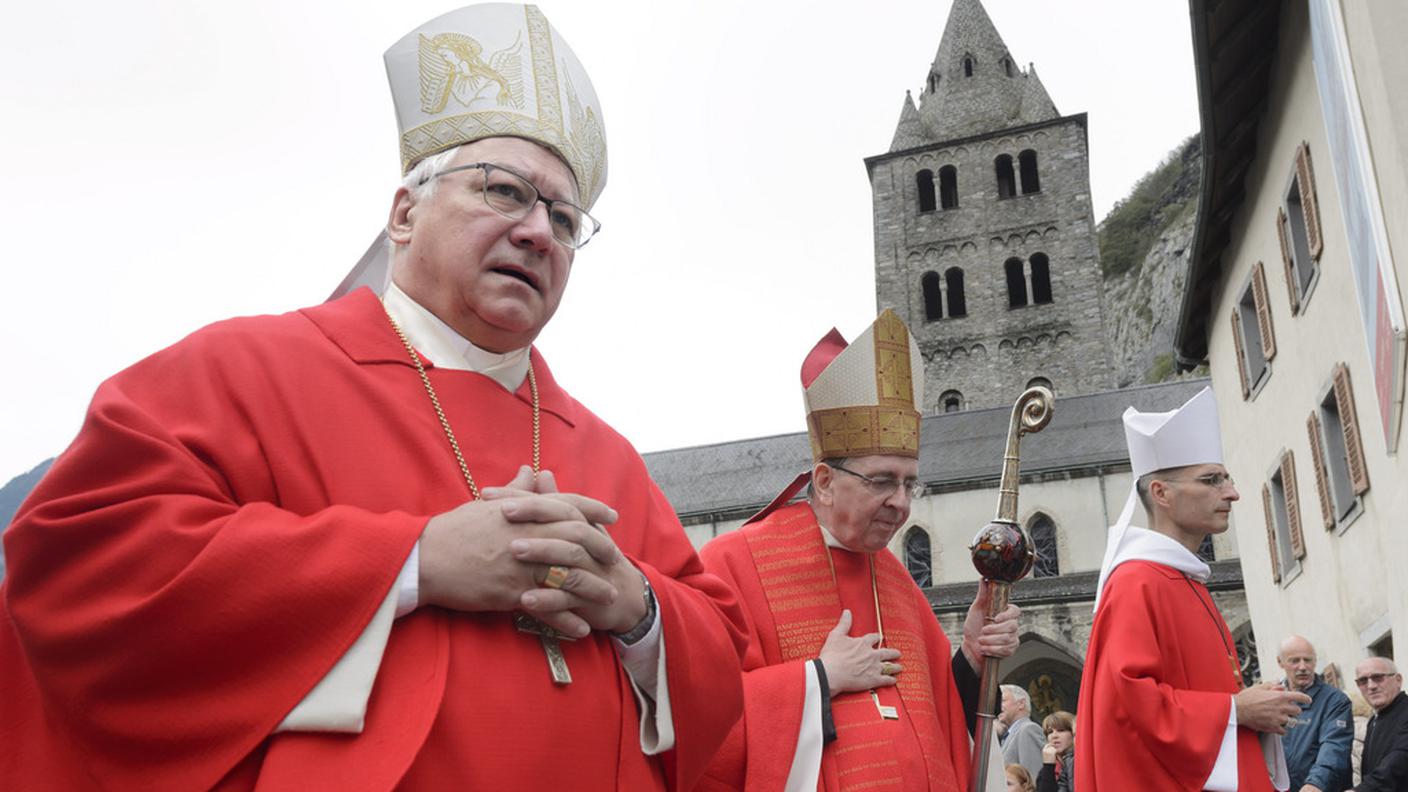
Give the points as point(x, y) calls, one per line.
point(201, 590)
point(848, 681)
point(1162, 704)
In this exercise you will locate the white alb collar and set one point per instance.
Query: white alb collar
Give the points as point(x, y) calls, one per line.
point(449, 350)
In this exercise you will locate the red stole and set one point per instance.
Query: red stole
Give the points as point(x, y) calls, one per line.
point(792, 564)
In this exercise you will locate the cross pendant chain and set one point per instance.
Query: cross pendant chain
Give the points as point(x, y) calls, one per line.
point(548, 637)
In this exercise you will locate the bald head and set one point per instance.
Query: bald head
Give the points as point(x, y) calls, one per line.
point(1297, 659)
point(1296, 656)
point(1378, 679)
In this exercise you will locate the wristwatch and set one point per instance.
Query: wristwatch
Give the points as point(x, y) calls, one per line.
point(642, 627)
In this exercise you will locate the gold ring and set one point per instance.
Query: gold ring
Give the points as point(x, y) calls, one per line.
point(889, 669)
point(556, 576)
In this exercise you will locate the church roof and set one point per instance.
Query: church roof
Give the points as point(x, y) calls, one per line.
point(734, 479)
point(974, 85)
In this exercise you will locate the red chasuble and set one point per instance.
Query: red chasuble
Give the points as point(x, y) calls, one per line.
point(779, 566)
point(1157, 687)
point(226, 523)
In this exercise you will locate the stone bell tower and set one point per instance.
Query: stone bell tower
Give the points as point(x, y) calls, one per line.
point(984, 235)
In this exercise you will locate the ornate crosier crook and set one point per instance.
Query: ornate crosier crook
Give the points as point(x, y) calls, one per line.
point(1003, 554)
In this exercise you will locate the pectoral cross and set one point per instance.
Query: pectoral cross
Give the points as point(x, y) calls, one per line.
point(557, 662)
point(886, 712)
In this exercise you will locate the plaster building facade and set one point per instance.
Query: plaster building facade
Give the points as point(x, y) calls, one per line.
point(984, 235)
point(1295, 299)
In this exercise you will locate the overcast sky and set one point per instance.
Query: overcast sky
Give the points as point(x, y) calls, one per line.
point(168, 163)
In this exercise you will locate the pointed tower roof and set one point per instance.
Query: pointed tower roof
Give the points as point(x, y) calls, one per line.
point(974, 84)
point(909, 132)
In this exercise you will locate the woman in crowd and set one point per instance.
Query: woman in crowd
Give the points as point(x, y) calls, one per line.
point(1059, 754)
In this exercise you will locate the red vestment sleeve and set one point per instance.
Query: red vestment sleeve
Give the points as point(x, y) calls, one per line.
point(702, 640)
point(136, 542)
point(757, 756)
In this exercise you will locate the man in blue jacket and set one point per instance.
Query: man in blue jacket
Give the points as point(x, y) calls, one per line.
point(1319, 739)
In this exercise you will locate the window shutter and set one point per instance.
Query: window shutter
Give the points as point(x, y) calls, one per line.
point(1271, 534)
point(1349, 421)
point(1241, 356)
point(1288, 486)
point(1283, 234)
point(1317, 450)
point(1263, 312)
point(1309, 203)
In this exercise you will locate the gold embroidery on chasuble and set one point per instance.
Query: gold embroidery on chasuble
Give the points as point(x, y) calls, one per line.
point(793, 567)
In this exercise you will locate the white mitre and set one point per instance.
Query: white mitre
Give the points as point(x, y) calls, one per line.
point(1189, 435)
point(496, 70)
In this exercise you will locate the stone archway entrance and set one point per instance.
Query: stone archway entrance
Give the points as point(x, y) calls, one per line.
point(1049, 674)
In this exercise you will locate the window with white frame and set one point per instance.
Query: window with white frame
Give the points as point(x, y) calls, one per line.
point(1341, 475)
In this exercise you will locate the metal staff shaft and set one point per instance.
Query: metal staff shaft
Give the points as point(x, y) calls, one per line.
point(1002, 554)
point(987, 696)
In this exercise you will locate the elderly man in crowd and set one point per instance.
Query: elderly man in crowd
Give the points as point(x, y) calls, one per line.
point(848, 678)
point(270, 558)
point(1319, 741)
point(1022, 738)
point(1385, 763)
point(1161, 700)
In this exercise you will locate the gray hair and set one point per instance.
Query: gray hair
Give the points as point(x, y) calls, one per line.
point(419, 181)
point(1016, 692)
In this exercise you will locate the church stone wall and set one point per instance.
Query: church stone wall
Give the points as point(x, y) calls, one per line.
point(991, 353)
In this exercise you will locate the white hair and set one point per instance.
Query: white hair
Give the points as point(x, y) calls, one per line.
point(1016, 692)
point(420, 182)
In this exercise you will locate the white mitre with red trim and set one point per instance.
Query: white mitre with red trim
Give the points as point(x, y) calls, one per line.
point(496, 70)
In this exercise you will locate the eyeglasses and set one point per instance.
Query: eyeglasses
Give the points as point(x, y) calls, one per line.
point(514, 197)
point(1214, 480)
point(883, 486)
point(1377, 679)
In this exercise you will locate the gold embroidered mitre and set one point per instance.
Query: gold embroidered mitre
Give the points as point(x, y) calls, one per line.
point(496, 70)
point(861, 398)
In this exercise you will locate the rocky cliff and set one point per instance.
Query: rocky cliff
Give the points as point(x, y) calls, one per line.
point(1145, 242)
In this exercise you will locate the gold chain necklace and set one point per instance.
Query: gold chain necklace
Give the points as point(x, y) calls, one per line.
point(445, 422)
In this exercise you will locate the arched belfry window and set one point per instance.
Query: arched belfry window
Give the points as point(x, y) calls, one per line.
point(1006, 180)
point(924, 180)
point(953, 283)
point(1016, 283)
point(933, 81)
point(1043, 532)
point(948, 187)
point(918, 558)
point(1041, 279)
point(1008, 68)
point(968, 66)
point(1026, 162)
point(933, 300)
point(951, 401)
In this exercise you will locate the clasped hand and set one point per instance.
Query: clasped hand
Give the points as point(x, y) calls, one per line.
point(492, 555)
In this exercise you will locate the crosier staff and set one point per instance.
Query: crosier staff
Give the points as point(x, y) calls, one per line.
point(1003, 554)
